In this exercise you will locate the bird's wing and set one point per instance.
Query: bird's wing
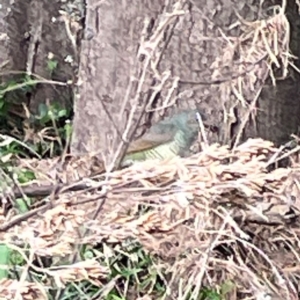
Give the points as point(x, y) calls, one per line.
point(158, 134)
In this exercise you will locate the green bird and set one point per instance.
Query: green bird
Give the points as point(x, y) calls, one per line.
point(166, 139)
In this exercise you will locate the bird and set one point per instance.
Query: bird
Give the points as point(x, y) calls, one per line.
point(166, 139)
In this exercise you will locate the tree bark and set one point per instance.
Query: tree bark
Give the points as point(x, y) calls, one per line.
point(36, 32)
point(108, 60)
point(279, 107)
point(196, 50)
point(4, 39)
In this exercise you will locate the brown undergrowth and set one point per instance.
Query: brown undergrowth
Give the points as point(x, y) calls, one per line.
point(217, 216)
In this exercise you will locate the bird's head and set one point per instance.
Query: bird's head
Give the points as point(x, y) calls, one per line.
point(187, 121)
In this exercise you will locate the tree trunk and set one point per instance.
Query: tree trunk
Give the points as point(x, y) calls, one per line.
point(279, 107)
point(108, 61)
point(197, 48)
point(37, 33)
point(4, 40)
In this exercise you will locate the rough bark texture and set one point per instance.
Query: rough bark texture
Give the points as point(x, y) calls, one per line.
point(4, 11)
point(108, 53)
point(108, 56)
point(13, 28)
point(279, 107)
point(34, 30)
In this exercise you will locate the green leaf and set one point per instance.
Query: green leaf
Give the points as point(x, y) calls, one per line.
point(210, 294)
point(43, 110)
point(2, 102)
point(62, 113)
point(52, 65)
point(5, 252)
point(68, 129)
point(25, 176)
point(22, 205)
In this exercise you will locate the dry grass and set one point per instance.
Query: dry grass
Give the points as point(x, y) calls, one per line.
point(260, 52)
point(207, 219)
point(222, 217)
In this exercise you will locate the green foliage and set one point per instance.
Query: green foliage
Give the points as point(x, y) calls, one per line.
point(23, 205)
point(24, 85)
point(49, 131)
point(132, 272)
point(16, 258)
point(50, 113)
point(52, 65)
point(5, 253)
point(53, 121)
point(25, 176)
point(50, 119)
point(10, 146)
point(210, 294)
point(131, 269)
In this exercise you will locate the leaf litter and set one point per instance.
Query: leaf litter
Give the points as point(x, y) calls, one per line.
point(221, 212)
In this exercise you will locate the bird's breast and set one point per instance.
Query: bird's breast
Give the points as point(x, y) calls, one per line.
point(177, 147)
point(164, 151)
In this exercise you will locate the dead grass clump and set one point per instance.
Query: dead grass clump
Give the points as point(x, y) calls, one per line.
point(219, 218)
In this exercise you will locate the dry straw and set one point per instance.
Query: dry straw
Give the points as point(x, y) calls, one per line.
point(219, 215)
point(216, 215)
